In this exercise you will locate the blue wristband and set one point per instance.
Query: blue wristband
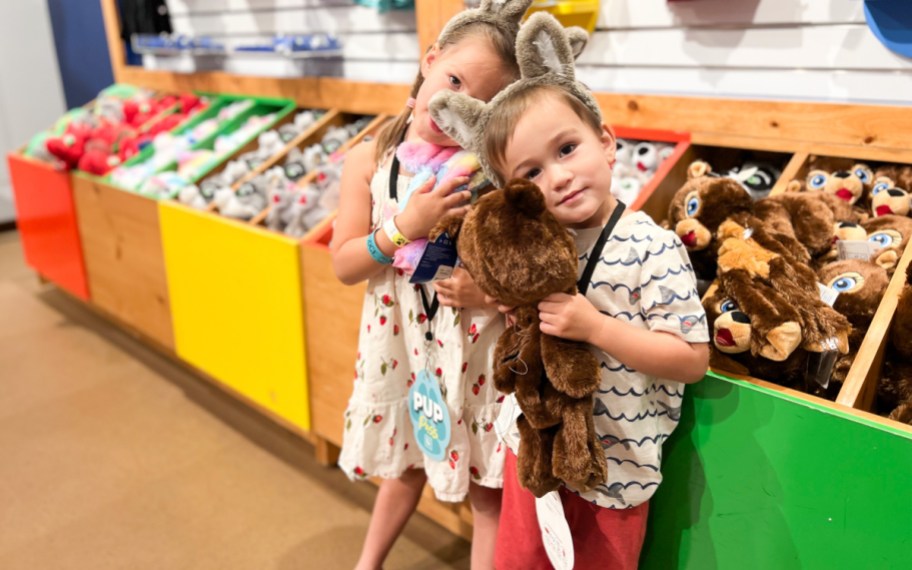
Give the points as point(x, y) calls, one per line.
point(374, 250)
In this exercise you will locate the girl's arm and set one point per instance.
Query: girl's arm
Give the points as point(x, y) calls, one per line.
point(654, 353)
point(351, 260)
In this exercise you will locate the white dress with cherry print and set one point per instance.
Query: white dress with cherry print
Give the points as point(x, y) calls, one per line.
point(392, 349)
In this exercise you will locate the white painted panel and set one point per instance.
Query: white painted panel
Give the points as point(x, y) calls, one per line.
point(881, 87)
point(184, 7)
point(380, 72)
point(331, 19)
point(850, 46)
point(661, 13)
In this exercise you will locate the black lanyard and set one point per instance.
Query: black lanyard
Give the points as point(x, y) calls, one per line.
point(430, 308)
point(583, 283)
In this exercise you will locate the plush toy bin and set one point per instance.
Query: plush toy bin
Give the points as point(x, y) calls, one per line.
point(681, 142)
point(237, 301)
point(122, 243)
point(46, 220)
point(750, 454)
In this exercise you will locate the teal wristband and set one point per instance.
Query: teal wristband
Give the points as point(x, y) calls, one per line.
point(374, 250)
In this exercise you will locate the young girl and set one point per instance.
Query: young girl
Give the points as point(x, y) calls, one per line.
point(637, 307)
point(408, 332)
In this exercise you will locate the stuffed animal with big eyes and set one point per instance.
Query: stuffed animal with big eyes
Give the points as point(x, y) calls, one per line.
point(888, 236)
point(758, 178)
point(890, 191)
point(861, 285)
point(847, 180)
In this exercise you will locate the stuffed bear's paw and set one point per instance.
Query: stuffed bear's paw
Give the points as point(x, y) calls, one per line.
point(570, 367)
point(781, 341)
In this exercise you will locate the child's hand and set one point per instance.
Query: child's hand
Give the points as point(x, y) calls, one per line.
point(505, 310)
point(428, 204)
point(459, 290)
point(571, 317)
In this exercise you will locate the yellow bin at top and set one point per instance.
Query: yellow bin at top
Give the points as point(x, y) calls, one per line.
point(582, 13)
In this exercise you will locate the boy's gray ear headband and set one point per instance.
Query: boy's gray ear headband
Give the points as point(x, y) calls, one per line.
point(503, 14)
point(545, 51)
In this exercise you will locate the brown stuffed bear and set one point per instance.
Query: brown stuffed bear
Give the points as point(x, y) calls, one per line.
point(861, 285)
point(733, 339)
point(844, 178)
point(518, 253)
point(771, 283)
point(889, 236)
point(894, 393)
point(809, 217)
point(697, 209)
point(890, 191)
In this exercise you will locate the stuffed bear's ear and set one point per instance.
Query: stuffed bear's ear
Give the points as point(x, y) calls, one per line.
point(457, 115)
point(509, 11)
point(697, 169)
point(543, 46)
point(578, 38)
point(525, 197)
point(450, 224)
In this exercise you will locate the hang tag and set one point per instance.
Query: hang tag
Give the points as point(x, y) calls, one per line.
point(854, 249)
point(827, 295)
point(437, 261)
point(748, 232)
point(430, 416)
point(509, 411)
point(820, 365)
point(555, 531)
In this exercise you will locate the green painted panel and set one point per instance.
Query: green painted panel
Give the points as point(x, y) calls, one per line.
point(758, 479)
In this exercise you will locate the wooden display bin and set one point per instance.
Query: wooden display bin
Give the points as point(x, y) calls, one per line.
point(237, 300)
point(46, 219)
point(121, 240)
point(332, 321)
point(681, 142)
point(750, 454)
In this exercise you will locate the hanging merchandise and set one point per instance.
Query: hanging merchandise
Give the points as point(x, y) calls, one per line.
point(387, 5)
point(144, 17)
point(582, 13)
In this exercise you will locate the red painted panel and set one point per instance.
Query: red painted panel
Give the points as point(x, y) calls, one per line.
point(46, 217)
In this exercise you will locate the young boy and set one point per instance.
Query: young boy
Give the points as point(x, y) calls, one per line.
point(641, 312)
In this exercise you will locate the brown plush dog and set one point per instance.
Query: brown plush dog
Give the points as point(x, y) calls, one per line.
point(861, 286)
point(518, 253)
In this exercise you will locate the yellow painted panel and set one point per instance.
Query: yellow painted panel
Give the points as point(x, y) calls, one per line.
point(236, 300)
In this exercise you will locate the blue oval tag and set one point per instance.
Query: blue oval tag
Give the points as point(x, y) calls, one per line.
point(429, 415)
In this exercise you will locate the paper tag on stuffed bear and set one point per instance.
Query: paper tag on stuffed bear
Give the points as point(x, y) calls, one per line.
point(827, 294)
point(854, 249)
point(437, 261)
point(430, 416)
point(555, 531)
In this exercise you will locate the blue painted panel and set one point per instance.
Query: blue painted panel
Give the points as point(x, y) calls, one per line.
point(891, 22)
point(82, 49)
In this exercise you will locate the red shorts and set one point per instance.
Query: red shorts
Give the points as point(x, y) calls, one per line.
point(602, 538)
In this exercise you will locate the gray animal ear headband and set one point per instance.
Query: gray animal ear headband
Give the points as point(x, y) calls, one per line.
point(545, 51)
point(502, 14)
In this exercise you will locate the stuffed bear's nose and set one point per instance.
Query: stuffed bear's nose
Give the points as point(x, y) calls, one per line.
point(895, 192)
point(842, 174)
point(740, 317)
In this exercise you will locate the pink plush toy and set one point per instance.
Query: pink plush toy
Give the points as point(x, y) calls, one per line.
point(427, 160)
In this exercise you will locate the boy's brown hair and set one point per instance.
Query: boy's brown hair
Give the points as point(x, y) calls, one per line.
point(500, 127)
point(496, 20)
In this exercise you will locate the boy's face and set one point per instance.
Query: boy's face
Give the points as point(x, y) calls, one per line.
point(554, 148)
point(470, 66)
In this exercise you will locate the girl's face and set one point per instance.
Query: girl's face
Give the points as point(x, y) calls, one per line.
point(470, 66)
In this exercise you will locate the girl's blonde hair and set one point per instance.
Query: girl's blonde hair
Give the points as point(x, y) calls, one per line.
point(499, 129)
point(504, 45)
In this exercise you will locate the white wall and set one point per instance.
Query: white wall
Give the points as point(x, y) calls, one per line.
point(795, 49)
point(31, 93)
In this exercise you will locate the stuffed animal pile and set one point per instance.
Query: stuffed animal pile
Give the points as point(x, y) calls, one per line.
point(636, 164)
point(121, 122)
point(894, 392)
